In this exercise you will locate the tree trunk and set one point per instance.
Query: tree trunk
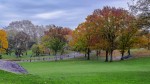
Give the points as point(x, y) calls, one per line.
point(148, 46)
point(148, 43)
point(122, 54)
point(55, 57)
point(98, 53)
point(129, 53)
point(0, 55)
point(111, 55)
point(19, 53)
point(106, 60)
point(88, 52)
point(55, 53)
point(7, 51)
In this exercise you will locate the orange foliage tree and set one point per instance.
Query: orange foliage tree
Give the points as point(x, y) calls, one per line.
point(3, 41)
point(102, 30)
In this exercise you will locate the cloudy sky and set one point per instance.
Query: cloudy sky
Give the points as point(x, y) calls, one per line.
point(66, 13)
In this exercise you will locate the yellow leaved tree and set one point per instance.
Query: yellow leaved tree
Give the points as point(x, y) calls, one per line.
point(3, 41)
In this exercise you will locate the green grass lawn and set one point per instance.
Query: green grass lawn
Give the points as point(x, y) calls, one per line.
point(135, 71)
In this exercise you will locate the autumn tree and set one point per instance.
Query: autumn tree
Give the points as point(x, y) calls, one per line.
point(141, 8)
point(128, 33)
point(109, 22)
point(3, 41)
point(103, 28)
point(79, 42)
point(38, 49)
point(84, 36)
point(55, 38)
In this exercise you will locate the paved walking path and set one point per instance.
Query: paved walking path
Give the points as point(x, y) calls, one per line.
point(60, 57)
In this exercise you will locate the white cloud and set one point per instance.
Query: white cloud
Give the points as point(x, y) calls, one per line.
point(50, 15)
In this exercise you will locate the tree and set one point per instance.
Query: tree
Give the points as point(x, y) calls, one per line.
point(11, 41)
point(77, 42)
point(141, 8)
point(21, 43)
point(3, 41)
point(101, 30)
point(55, 38)
point(109, 22)
point(37, 49)
point(82, 37)
point(56, 44)
point(128, 33)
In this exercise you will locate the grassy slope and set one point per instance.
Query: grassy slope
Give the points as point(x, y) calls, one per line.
point(136, 71)
point(11, 78)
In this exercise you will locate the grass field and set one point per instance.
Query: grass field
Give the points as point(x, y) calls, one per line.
point(134, 71)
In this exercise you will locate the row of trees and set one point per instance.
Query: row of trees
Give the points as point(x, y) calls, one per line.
point(108, 29)
point(105, 29)
point(22, 36)
point(55, 40)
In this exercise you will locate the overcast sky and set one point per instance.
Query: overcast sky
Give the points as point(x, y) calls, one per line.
point(66, 13)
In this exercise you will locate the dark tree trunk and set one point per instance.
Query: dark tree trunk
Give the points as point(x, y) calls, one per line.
point(111, 55)
point(122, 54)
point(148, 43)
point(98, 53)
point(106, 60)
point(88, 53)
point(129, 52)
point(37, 53)
point(55, 57)
point(7, 51)
point(148, 46)
point(55, 53)
point(20, 52)
point(16, 53)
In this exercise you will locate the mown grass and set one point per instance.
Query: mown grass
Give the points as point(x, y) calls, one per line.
point(11, 78)
point(92, 72)
point(134, 71)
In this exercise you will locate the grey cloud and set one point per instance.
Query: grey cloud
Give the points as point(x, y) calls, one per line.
point(68, 13)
